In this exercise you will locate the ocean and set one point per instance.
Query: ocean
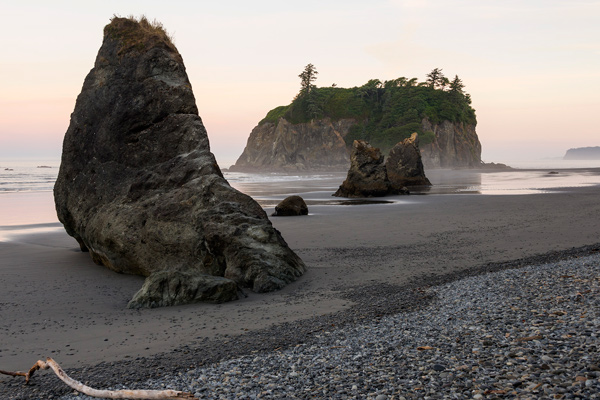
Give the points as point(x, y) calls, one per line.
point(27, 204)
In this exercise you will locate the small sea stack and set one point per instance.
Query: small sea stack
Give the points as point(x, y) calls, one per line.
point(370, 176)
point(367, 176)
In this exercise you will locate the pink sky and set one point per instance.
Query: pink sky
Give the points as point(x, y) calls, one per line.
point(532, 68)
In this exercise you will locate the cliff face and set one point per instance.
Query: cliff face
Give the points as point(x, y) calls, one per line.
point(320, 145)
point(282, 146)
point(456, 145)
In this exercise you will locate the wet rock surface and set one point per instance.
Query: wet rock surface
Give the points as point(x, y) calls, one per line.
point(140, 190)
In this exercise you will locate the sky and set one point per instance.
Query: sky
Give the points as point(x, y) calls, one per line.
point(532, 67)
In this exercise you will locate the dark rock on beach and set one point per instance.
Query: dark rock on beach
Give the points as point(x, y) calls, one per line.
point(291, 206)
point(140, 190)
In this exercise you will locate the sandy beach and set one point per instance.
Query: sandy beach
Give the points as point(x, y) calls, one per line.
point(56, 302)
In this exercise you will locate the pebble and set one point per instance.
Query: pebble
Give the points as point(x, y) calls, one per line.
point(524, 333)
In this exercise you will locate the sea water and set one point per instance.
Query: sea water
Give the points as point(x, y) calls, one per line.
point(26, 200)
point(27, 203)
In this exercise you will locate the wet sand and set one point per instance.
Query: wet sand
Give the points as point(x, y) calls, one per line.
point(56, 302)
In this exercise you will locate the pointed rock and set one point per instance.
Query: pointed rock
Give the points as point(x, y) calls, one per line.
point(367, 176)
point(139, 188)
point(404, 165)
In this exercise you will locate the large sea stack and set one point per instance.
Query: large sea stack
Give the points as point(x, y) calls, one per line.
point(140, 190)
point(316, 131)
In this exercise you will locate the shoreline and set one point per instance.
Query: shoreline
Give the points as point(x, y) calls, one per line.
point(58, 303)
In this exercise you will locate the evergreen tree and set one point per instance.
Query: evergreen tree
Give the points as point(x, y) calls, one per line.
point(456, 86)
point(370, 89)
point(386, 112)
point(307, 77)
point(444, 83)
point(411, 82)
point(435, 78)
point(310, 101)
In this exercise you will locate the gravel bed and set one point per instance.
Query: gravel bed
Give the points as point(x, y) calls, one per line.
point(527, 333)
point(375, 306)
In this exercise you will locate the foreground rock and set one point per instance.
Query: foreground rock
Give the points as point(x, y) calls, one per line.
point(367, 176)
point(291, 206)
point(140, 190)
point(404, 165)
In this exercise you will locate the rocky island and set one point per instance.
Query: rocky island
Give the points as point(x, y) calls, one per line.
point(140, 190)
point(316, 131)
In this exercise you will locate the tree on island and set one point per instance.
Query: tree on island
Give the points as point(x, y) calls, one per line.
point(370, 89)
point(307, 77)
point(456, 85)
point(385, 112)
point(308, 93)
point(411, 82)
point(436, 79)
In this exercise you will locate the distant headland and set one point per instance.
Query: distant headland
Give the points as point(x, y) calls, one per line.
point(583, 153)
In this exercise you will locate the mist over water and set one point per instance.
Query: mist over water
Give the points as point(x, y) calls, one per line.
point(27, 202)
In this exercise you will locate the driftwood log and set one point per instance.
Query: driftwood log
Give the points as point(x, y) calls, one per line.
point(105, 394)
